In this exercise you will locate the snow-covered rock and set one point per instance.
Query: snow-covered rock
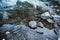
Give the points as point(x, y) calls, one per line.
point(55, 25)
point(55, 6)
point(40, 24)
point(58, 10)
point(50, 20)
point(56, 17)
point(33, 24)
point(52, 12)
point(7, 32)
point(45, 15)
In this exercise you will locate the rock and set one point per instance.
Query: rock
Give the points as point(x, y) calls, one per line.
point(58, 10)
point(55, 6)
point(52, 12)
point(40, 24)
point(33, 24)
point(45, 15)
point(50, 20)
point(56, 18)
point(39, 30)
point(55, 25)
point(7, 32)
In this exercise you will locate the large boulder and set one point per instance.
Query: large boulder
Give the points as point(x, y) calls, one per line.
point(50, 20)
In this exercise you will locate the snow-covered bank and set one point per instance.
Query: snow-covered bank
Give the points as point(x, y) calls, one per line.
point(35, 3)
point(4, 3)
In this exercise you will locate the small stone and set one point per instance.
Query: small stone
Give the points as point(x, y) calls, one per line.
point(40, 24)
point(52, 6)
point(7, 32)
point(58, 10)
point(50, 20)
point(55, 6)
point(45, 15)
point(55, 25)
point(3, 39)
point(33, 24)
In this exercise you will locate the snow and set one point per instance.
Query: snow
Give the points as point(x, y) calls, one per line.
point(5, 15)
point(8, 3)
point(37, 3)
point(58, 38)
